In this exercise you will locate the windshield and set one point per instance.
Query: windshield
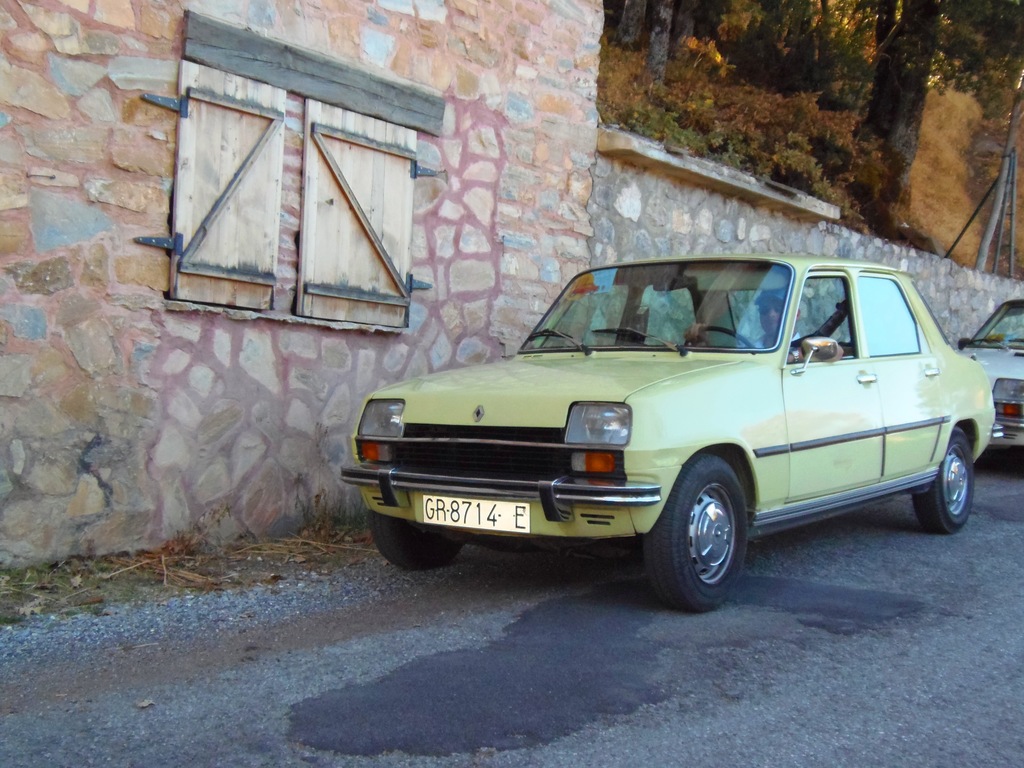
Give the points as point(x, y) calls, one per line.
point(715, 305)
point(1004, 329)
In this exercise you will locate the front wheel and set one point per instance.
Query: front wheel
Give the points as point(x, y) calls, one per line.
point(694, 553)
point(946, 505)
point(408, 547)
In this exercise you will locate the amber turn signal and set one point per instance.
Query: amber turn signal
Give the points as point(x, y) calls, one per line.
point(593, 462)
point(1011, 409)
point(375, 451)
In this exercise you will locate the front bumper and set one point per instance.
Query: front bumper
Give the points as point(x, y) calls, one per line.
point(556, 496)
point(1008, 429)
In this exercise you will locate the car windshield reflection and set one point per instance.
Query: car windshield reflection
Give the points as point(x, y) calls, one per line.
point(718, 306)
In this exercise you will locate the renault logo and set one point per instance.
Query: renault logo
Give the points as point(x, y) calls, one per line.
point(478, 414)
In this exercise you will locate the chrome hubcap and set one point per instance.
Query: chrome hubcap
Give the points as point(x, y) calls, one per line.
point(955, 483)
point(711, 534)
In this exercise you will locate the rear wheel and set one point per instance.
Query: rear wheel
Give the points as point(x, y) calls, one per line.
point(946, 505)
point(694, 553)
point(408, 547)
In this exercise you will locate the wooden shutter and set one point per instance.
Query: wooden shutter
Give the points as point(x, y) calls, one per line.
point(227, 197)
point(354, 256)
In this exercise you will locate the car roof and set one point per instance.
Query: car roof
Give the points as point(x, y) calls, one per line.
point(802, 262)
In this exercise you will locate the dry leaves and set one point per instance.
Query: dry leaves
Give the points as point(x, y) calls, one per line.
point(85, 583)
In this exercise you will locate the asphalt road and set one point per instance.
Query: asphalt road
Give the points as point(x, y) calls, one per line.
point(860, 641)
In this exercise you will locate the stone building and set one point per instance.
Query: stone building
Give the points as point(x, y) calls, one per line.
point(209, 381)
point(223, 224)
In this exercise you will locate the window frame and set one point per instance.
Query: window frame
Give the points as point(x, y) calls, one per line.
point(405, 107)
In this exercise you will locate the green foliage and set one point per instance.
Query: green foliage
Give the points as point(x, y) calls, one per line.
point(702, 107)
point(980, 51)
point(783, 88)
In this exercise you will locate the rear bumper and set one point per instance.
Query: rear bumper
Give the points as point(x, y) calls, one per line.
point(556, 496)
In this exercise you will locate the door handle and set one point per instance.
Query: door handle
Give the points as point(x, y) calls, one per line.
point(866, 378)
point(930, 372)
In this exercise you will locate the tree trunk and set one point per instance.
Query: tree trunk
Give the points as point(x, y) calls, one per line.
point(661, 32)
point(682, 25)
point(998, 202)
point(906, 48)
point(631, 27)
point(823, 55)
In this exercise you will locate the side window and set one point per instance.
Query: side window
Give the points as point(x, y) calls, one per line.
point(227, 196)
point(824, 310)
point(889, 325)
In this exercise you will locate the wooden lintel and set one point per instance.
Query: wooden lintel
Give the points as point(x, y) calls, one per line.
point(311, 75)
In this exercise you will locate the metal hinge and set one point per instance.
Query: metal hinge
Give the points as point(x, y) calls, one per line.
point(169, 102)
point(172, 244)
point(418, 170)
point(412, 284)
point(416, 285)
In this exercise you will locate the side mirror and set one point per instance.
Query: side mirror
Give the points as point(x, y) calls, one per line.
point(821, 349)
point(962, 343)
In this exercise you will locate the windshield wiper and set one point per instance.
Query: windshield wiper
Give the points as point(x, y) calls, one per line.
point(991, 341)
point(641, 336)
point(549, 332)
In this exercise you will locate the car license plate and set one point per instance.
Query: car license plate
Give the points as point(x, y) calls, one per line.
point(480, 514)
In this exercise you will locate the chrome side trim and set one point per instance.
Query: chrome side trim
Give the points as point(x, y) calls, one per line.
point(849, 437)
point(555, 496)
point(789, 516)
point(918, 424)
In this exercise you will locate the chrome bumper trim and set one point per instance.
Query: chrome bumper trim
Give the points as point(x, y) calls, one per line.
point(555, 495)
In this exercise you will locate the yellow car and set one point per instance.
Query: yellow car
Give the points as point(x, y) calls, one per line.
point(689, 404)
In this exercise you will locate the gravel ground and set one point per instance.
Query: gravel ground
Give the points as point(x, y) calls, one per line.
point(857, 642)
point(182, 620)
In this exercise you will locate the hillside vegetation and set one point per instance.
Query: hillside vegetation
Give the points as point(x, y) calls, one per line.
point(703, 108)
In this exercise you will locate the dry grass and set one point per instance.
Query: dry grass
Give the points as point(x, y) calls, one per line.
point(940, 178)
point(80, 585)
point(950, 176)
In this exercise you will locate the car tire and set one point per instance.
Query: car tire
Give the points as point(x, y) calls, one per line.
point(946, 505)
point(694, 553)
point(408, 547)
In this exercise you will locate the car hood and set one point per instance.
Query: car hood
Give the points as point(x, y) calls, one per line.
point(537, 390)
point(998, 363)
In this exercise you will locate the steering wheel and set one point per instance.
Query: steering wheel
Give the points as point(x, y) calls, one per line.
point(740, 338)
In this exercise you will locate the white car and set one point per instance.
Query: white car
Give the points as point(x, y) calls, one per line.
point(999, 347)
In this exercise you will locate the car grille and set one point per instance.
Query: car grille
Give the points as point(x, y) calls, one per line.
point(498, 451)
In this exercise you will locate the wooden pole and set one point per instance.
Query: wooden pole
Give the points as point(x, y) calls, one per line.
point(998, 206)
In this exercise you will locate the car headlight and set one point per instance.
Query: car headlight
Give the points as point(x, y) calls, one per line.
point(599, 424)
point(382, 418)
point(1008, 389)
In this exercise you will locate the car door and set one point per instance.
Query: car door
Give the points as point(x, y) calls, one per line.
point(833, 409)
point(909, 377)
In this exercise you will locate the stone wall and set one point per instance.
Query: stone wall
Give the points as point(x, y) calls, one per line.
point(126, 419)
point(640, 209)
